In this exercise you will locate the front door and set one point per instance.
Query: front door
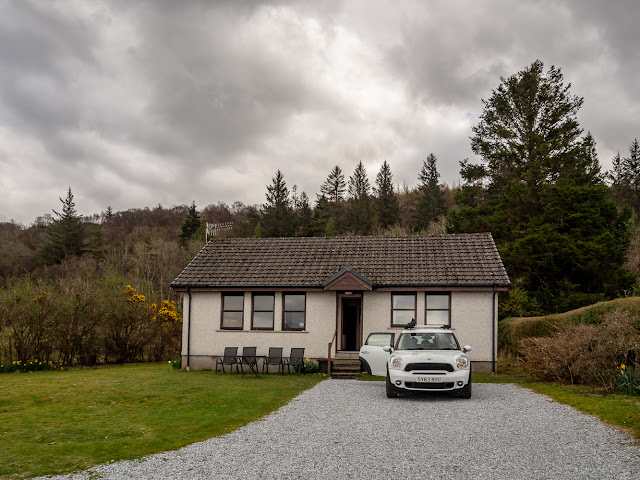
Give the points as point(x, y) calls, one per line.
point(351, 324)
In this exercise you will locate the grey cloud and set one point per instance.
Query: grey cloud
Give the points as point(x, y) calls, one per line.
point(135, 103)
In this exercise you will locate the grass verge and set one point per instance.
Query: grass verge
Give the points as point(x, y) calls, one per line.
point(59, 422)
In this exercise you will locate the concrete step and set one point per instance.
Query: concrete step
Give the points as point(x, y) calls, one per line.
point(343, 375)
point(348, 364)
point(348, 355)
point(345, 367)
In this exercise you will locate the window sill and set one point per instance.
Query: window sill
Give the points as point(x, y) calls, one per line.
point(263, 331)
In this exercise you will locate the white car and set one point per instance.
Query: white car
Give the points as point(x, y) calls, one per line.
point(424, 359)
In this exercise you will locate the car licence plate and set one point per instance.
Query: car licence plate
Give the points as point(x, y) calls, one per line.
point(430, 379)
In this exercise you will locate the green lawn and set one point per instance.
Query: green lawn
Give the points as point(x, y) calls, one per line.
point(58, 422)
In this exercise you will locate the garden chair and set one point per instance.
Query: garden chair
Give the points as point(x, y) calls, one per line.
point(230, 358)
point(296, 360)
point(274, 358)
point(249, 358)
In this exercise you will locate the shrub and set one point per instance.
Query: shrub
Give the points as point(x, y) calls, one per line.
point(176, 364)
point(30, 366)
point(512, 331)
point(310, 367)
point(628, 380)
point(587, 354)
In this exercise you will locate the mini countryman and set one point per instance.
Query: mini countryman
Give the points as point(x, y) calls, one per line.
point(424, 359)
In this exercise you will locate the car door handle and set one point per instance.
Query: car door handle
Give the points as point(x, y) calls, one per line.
point(364, 351)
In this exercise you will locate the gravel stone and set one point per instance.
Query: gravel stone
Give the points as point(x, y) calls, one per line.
point(349, 429)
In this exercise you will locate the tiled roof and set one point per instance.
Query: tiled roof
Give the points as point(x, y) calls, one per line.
point(417, 260)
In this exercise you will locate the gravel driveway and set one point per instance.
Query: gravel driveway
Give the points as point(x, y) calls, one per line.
point(349, 429)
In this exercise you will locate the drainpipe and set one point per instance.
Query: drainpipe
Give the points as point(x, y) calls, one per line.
point(189, 332)
point(493, 332)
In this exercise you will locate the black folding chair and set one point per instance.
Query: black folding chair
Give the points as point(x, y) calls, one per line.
point(249, 359)
point(274, 358)
point(296, 360)
point(230, 358)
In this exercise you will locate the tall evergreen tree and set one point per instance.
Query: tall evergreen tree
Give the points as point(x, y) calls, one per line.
point(304, 216)
point(430, 202)
point(387, 206)
point(631, 165)
point(321, 216)
point(191, 223)
point(65, 236)
point(334, 186)
point(333, 190)
point(359, 208)
point(278, 218)
point(538, 189)
point(108, 214)
point(620, 189)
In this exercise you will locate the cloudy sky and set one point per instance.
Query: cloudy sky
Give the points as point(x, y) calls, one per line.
point(138, 103)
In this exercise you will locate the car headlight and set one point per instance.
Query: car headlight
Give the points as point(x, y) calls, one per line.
point(395, 362)
point(462, 362)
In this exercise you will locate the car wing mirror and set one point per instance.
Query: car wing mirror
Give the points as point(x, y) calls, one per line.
point(466, 349)
point(387, 348)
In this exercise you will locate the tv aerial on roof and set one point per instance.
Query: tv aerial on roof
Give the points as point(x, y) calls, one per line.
point(213, 229)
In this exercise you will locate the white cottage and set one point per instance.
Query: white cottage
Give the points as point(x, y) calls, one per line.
point(306, 291)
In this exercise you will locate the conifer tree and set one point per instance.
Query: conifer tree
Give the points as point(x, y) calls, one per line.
point(631, 165)
point(333, 187)
point(359, 209)
point(333, 190)
point(108, 215)
point(65, 236)
point(430, 203)
point(191, 223)
point(620, 191)
point(321, 216)
point(278, 218)
point(387, 206)
point(539, 191)
point(304, 216)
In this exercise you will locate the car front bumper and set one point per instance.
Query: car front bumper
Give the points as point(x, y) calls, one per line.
point(425, 381)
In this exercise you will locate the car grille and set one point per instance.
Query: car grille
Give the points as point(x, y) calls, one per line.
point(429, 386)
point(446, 367)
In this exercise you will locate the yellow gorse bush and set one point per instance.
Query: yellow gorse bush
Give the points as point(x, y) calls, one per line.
point(165, 313)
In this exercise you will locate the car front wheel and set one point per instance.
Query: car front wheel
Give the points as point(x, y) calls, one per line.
point(465, 392)
point(392, 392)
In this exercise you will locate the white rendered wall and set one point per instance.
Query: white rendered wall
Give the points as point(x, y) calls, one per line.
point(471, 319)
point(471, 315)
point(207, 339)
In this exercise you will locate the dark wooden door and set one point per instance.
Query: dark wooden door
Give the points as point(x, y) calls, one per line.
point(351, 326)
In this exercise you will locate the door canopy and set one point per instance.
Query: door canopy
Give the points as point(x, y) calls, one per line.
point(348, 279)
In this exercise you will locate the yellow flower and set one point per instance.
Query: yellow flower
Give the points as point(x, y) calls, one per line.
point(308, 359)
point(61, 368)
point(623, 366)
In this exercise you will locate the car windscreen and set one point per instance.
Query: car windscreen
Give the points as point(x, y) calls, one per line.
point(427, 341)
